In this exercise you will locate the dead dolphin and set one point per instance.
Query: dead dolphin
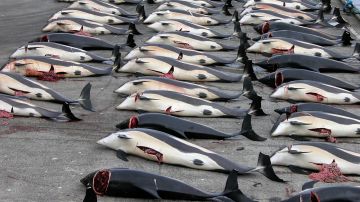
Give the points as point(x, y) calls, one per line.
point(313, 63)
point(311, 154)
point(316, 124)
point(20, 107)
point(185, 129)
point(95, 16)
point(175, 14)
point(177, 69)
point(151, 186)
point(300, 107)
point(60, 51)
point(282, 45)
point(17, 85)
point(187, 26)
point(189, 41)
point(189, 56)
point(309, 38)
point(285, 75)
point(205, 3)
point(74, 25)
point(313, 91)
point(102, 6)
point(178, 104)
point(161, 83)
point(125, 1)
point(304, 6)
point(83, 42)
point(278, 26)
point(164, 148)
point(281, 9)
point(331, 193)
point(191, 7)
point(36, 66)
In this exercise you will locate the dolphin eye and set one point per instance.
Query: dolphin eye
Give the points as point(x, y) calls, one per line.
point(159, 14)
point(266, 42)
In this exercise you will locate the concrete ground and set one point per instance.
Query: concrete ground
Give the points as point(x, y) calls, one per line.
point(43, 160)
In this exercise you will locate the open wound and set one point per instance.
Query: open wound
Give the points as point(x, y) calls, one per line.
point(324, 132)
point(19, 92)
point(328, 173)
point(283, 51)
point(169, 110)
point(101, 182)
point(317, 96)
point(147, 150)
point(183, 45)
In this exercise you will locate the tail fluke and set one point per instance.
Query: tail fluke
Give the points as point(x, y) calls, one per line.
point(249, 70)
point(241, 54)
point(140, 9)
point(248, 89)
point(232, 190)
point(237, 29)
point(115, 52)
point(68, 113)
point(346, 38)
point(264, 167)
point(133, 30)
point(84, 99)
point(248, 132)
point(130, 41)
point(117, 63)
point(235, 17)
point(338, 16)
point(255, 108)
point(90, 195)
point(225, 10)
point(326, 7)
point(228, 3)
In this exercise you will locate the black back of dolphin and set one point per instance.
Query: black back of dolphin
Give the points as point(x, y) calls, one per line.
point(309, 38)
point(181, 128)
point(277, 26)
point(313, 63)
point(285, 75)
point(123, 182)
point(263, 166)
point(338, 193)
point(315, 107)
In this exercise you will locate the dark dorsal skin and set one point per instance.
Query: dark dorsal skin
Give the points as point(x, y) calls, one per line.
point(280, 15)
point(188, 4)
point(200, 39)
point(69, 49)
point(57, 96)
point(91, 24)
point(78, 41)
point(220, 20)
point(306, 62)
point(316, 107)
point(128, 183)
point(333, 54)
point(125, 19)
point(95, 70)
point(189, 52)
point(223, 95)
point(286, 9)
point(19, 103)
point(326, 116)
point(213, 3)
point(105, 4)
point(276, 26)
point(227, 165)
point(175, 126)
point(339, 193)
point(336, 151)
point(301, 74)
point(229, 112)
point(223, 76)
point(195, 26)
point(309, 38)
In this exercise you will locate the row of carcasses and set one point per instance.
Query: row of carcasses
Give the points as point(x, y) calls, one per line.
point(168, 54)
